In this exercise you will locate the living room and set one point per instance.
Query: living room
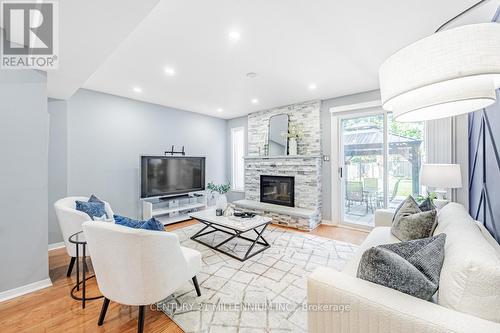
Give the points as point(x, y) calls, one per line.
point(186, 166)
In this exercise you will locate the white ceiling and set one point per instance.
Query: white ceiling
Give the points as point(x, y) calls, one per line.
point(338, 45)
point(89, 31)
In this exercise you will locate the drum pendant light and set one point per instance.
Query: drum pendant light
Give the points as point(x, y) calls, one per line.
point(446, 74)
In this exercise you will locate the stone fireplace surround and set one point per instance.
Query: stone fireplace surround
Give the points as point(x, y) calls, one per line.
point(305, 168)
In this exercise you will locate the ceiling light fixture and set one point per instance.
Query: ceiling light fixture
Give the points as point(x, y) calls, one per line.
point(169, 71)
point(251, 75)
point(312, 86)
point(137, 89)
point(255, 101)
point(220, 110)
point(234, 35)
point(446, 74)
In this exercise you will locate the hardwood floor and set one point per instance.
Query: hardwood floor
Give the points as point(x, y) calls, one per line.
point(53, 310)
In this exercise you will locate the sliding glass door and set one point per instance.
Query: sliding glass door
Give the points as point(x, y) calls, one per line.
point(362, 168)
point(379, 163)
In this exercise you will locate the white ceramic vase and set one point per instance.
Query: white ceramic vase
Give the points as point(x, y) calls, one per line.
point(221, 202)
point(292, 146)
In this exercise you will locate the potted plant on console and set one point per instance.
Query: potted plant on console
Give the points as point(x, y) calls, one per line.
point(222, 189)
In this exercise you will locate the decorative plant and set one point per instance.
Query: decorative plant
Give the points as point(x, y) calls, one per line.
point(221, 189)
point(431, 195)
point(295, 131)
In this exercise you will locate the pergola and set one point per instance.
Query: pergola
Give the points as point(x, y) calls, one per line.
point(369, 141)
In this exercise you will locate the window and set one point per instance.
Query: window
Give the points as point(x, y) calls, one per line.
point(237, 165)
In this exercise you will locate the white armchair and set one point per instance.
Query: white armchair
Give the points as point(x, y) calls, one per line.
point(138, 267)
point(70, 221)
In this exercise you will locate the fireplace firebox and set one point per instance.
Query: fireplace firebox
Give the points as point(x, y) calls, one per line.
point(277, 190)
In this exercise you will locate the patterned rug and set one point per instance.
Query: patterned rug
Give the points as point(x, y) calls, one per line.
point(266, 293)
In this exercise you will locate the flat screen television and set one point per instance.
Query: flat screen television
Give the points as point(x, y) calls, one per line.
point(170, 175)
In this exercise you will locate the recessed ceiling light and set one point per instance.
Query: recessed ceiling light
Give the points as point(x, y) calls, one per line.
point(137, 89)
point(255, 101)
point(220, 110)
point(251, 75)
point(169, 71)
point(234, 35)
point(312, 86)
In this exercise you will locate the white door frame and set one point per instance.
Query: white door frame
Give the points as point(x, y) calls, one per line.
point(336, 153)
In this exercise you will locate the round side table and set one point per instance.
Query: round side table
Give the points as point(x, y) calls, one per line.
point(79, 240)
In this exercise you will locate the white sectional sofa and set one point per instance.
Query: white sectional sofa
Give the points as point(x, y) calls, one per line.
point(468, 299)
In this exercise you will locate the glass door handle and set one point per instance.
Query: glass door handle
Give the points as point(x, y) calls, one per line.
point(340, 172)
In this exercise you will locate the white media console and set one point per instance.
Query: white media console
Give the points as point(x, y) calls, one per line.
point(173, 209)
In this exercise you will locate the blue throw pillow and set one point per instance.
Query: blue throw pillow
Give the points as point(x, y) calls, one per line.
point(92, 209)
point(127, 222)
point(94, 198)
point(153, 224)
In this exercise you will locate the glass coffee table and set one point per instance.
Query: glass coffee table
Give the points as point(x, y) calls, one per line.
point(79, 240)
point(234, 227)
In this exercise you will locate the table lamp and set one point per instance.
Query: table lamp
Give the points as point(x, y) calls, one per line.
point(441, 177)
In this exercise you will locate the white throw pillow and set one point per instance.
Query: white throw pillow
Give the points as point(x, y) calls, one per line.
point(470, 277)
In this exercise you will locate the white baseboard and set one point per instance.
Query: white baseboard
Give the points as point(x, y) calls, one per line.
point(328, 222)
point(29, 288)
point(55, 246)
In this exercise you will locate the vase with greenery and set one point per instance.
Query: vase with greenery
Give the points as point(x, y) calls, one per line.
point(221, 189)
point(294, 134)
point(421, 198)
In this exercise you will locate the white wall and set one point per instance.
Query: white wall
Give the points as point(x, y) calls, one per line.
point(23, 177)
point(107, 134)
point(58, 160)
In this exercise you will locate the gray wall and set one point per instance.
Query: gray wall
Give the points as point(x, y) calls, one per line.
point(107, 134)
point(58, 157)
point(326, 140)
point(23, 178)
point(232, 123)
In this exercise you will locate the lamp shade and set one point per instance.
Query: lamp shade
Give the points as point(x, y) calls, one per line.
point(446, 74)
point(441, 175)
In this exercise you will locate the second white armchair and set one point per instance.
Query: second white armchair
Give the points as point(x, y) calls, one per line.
point(71, 220)
point(138, 267)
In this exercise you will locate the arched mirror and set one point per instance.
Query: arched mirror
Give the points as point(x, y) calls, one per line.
point(278, 135)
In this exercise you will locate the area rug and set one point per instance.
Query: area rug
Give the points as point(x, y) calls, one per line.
point(266, 293)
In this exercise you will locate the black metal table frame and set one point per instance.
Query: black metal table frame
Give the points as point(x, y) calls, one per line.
point(84, 271)
point(234, 234)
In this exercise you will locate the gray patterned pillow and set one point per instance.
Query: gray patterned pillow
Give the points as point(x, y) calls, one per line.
point(424, 206)
point(411, 267)
point(410, 222)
